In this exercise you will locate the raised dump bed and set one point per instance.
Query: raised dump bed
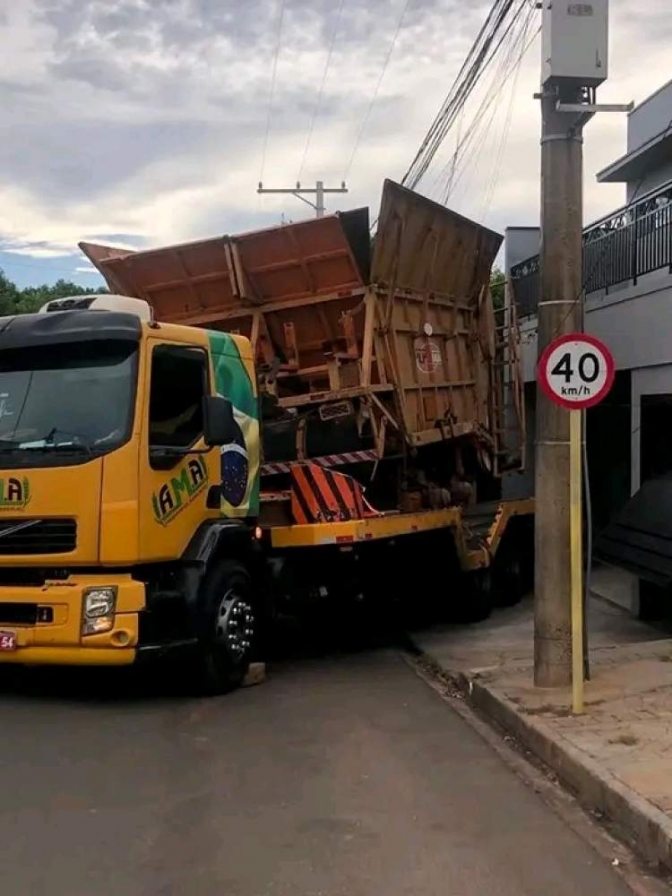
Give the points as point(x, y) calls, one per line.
point(368, 350)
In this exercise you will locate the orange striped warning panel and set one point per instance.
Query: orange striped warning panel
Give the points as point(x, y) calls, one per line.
point(322, 496)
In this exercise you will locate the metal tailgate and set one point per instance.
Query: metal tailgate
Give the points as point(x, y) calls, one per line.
point(423, 246)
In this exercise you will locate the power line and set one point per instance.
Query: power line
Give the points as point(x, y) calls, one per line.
point(453, 160)
point(475, 134)
point(488, 44)
point(318, 102)
point(367, 114)
point(433, 138)
point(500, 78)
point(271, 94)
point(492, 186)
point(468, 165)
point(472, 131)
point(504, 48)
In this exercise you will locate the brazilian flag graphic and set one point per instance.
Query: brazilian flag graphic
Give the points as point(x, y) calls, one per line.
point(235, 380)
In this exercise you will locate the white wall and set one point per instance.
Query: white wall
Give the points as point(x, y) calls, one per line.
point(635, 323)
point(650, 118)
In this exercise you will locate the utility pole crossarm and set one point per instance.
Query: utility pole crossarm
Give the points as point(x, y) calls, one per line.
point(319, 191)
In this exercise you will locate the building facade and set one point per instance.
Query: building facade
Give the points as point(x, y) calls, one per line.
point(627, 263)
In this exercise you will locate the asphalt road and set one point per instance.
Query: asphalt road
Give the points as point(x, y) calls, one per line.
point(338, 776)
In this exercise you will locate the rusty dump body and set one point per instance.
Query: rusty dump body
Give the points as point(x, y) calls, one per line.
point(365, 352)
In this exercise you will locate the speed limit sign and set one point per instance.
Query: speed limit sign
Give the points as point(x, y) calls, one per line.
point(576, 371)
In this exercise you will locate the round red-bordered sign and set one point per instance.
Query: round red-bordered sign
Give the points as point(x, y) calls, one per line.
point(576, 371)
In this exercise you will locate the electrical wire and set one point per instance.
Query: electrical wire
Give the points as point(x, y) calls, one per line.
point(418, 166)
point(502, 47)
point(374, 96)
point(271, 95)
point(501, 20)
point(453, 160)
point(472, 132)
point(499, 80)
point(508, 119)
point(510, 66)
point(475, 134)
point(476, 138)
point(318, 101)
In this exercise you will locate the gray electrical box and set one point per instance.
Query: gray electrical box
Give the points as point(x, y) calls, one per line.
point(575, 41)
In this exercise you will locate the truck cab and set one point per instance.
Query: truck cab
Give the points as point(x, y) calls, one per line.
point(129, 489)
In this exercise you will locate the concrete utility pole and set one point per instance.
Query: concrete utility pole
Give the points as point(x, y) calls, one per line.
point(560, 312)
point(318, 191)
point(574, 42)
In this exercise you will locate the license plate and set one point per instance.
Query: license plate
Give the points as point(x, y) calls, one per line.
point(8, 641)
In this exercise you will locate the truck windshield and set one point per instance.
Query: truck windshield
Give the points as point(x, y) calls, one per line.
point(72, 399)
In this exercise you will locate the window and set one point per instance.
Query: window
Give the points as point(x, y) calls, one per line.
point(178, 386)
point(63, 400)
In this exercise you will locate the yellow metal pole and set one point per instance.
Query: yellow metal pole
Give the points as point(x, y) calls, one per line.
point(576, 549)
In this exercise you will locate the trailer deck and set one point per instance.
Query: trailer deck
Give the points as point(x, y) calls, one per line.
point(478, 531)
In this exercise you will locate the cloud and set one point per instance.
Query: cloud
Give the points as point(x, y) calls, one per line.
point(34, 250)
point(145, 119)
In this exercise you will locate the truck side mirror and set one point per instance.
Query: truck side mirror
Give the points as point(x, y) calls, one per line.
point(219, 424)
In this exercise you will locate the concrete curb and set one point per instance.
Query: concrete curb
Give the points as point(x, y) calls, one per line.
point(643, 825)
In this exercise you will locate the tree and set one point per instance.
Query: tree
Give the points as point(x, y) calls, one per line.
point(24, 301)
point(498, 288)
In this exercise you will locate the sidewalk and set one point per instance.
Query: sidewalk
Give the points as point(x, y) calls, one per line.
point(617, 758)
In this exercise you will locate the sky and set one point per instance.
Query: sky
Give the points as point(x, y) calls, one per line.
point(146, 122)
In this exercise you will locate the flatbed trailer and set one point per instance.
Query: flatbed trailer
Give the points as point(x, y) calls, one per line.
point(485, 553)
point(385, 374)
point(465, 525)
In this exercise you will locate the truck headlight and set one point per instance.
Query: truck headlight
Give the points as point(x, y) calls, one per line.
point(98, 610)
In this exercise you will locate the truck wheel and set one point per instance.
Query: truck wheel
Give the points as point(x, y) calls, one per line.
point(229, 627)
point(509, 577)
point(478, 596)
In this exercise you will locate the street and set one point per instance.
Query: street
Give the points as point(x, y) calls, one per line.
point(344, 775)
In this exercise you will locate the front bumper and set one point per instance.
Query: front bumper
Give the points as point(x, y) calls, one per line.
point(59, 641)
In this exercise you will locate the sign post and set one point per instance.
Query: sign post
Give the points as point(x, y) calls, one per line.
point(576, 372)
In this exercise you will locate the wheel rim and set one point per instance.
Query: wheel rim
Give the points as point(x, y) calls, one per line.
point(234, 625)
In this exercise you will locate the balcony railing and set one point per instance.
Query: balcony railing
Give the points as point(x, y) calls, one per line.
point(624, 246)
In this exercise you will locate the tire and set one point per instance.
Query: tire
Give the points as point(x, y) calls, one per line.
point(478, 596)
point(509, 579)
point(229, 627)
